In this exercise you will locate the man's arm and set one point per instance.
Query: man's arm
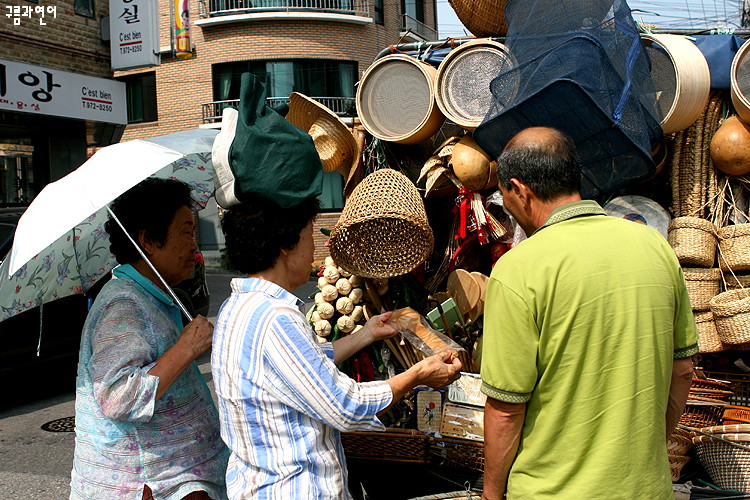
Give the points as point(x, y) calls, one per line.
point(502, 433)
point(682, 378)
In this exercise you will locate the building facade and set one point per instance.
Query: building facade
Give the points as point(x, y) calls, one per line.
point(58, 98)
point(317, 47)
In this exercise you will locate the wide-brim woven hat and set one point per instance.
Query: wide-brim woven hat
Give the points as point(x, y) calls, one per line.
point(333, 140)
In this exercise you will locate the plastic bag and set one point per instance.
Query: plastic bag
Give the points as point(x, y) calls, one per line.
point(417, 330)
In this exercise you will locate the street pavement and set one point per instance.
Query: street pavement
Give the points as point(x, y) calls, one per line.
point(34, 463)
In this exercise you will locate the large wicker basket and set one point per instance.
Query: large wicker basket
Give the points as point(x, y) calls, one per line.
point(693, 240)
point(383, 230)
point(702, 286)
point(734, 247)
point(699, 414)
point(708, 337)
point(732, 315)
point(739, 383)
point(394, 445)
point(725, 454)
point(676, 463)
point(680, 442)
point(459, 452)
point(734, 281)
point(482, 17)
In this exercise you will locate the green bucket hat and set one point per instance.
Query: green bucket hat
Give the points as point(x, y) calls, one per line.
point(258, 152)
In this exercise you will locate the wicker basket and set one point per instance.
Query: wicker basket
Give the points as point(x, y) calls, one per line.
point(702, 286)
point(733, 281)
point(735, 415)
point(734, 247)
point(728, 466)
point(457, 495)
point(693, 240)
point(459, 452)
point(393, 445)
point(732, 315)
point(676, 463)
point(708, 337)
point(739, 383)
point(482, 17)
point(383, 230)
point(680, 442)
point(699, 414)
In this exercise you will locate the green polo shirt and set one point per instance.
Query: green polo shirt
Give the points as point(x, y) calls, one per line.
point(582, 323)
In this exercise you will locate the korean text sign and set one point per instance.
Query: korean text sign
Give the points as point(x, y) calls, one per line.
point(45, 91)
point(134, 33)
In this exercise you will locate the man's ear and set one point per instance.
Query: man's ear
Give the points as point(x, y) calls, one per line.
point(522, 190)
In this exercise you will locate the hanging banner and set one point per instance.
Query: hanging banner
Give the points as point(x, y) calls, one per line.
point(182, 29)
point(44, 91)
point(134, 33)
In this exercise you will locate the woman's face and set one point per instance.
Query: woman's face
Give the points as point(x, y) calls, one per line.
point(300, 258)
point(175, 259)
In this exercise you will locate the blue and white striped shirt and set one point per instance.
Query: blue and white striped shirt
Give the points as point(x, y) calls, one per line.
point(282, 401)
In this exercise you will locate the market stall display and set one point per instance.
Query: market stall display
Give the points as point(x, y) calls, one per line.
point(739, 78)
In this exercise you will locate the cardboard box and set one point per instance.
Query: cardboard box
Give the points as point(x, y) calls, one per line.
point(467, 390)
point(429, 409)
point(465, 422)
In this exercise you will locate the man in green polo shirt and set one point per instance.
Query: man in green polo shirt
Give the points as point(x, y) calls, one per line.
point(588, 338)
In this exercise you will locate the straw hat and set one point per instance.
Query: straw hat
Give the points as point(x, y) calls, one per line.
point(335, 143)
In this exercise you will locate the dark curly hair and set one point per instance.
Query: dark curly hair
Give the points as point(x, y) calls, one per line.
point(256, 230)
point(148, 206)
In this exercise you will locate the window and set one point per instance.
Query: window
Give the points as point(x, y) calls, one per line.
point(413, 9)
point(141, 95)
point(84, 8)
point(379, 16)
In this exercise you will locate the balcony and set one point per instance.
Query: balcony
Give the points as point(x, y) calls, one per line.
point(230, 11)
point(417, 30)
point(212, 110)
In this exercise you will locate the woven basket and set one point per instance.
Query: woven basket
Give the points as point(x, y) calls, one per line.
point(708, 337)
point(459, 452)
point(733, 281)
point(710, 383)
point(734, 247)
point(393, 445)
point(732, 315)
point(736, 415)
point(680, 442)
point(693, 240)
point(699, 414)
point(727, 466)
point(740, 384)
point(676, 463)
point(482, 18)
point(383, 230)
point(702, 286)
point(457, 495)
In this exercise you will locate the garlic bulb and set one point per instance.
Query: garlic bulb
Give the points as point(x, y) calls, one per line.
point(322, 281)
point(318, 298)
point(329, 293)
point(325, 310)
point(355, 280)
point(321, 340)
point(357, 314)
point(328, 261)
point(331, 274)
point(357, 328)
point(344, 305)
point(315, 317)
point(323, 328)
point(356, 295)
point(343, 286)
point(345, 324)
point(343, 272)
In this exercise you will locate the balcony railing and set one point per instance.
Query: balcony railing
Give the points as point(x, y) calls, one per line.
point(211, 8)
point(420, 29)
point(212, 110)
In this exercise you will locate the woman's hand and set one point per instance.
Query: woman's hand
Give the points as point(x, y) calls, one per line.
point(378, 328)
point(197, 336)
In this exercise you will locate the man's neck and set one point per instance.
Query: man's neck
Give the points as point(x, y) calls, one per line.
point(541, 210)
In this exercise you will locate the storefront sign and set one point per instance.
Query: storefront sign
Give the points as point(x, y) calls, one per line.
point(45, 91)
point(134, 33)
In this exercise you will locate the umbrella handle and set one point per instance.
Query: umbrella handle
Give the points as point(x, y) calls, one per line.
point(169, 288)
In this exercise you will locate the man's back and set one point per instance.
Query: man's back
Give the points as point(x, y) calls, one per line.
point(585, 319)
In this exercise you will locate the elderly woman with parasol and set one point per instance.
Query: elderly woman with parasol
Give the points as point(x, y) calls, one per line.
point(146, 426)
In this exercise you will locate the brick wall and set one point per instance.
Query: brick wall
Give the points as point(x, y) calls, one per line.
point(183, 85)
point(327, 221)
point(68, 42)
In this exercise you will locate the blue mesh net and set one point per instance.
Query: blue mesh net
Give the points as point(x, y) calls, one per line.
point(581, 68)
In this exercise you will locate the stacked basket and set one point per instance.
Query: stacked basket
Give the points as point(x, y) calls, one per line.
point(694, 241)
point(705, 404)
point(731, 309)
point(678, 446)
